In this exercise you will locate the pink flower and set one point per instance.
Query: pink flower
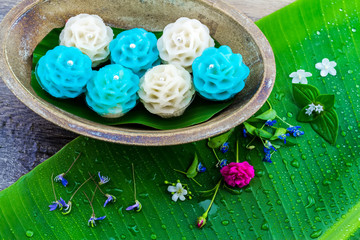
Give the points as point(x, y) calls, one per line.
point(238, 174)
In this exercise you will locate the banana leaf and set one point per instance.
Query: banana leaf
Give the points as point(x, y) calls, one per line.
point(310, 190)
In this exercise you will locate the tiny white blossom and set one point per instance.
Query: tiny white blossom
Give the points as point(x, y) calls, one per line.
point(178, 192)
point(310, 110)
point(326, 67)
point(319, 108)
point(300, 76)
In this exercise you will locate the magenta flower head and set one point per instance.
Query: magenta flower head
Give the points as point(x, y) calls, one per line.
point(201, 221)
point(238, 174)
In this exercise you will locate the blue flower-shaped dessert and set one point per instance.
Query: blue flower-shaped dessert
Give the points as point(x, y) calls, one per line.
point(64, 72)
point(135, 49)
point(112, 91)
point(219, 74)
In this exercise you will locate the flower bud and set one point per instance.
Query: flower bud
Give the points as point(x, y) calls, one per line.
point(201, 221)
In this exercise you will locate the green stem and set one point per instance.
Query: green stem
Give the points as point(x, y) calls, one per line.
point(133, 172)
point(52, 183)
point(237, 151)
point(283, 120)
point(250, 142)
point(97, 185)
point(213, 198)
point(92, 208)
point(196, 182)
point(180, 171)
point(267, 101)
point(72, 164)
point(80, 187)
point(217, 158)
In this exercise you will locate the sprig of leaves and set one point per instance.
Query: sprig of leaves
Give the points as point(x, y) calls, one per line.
point(325, 123)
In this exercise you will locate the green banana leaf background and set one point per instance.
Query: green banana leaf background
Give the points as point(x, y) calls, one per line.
point(310, 191)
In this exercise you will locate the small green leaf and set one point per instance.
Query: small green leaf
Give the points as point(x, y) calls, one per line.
point(249, 128)
point(217, 141)
point(267, 115)
point(327, 126)
point(191, 172)
point(253, 120)
point(262, 133)
point(303, 117)
point(278, 132)
point(326, 100)
point(304, 94)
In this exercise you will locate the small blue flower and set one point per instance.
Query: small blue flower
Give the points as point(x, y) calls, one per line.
point(267, 150)
point(55, 205)
point(283, 137)
point(267, 157)
point(66, 206)
point(269, 146)
point(91, 222)
point(110, 198)
point(61, 178)
point(244, 133)
point(270, 123)
point(295, 131)
point(223, 163)
point(201, 167)
point(103, 179)
point(137, 206)
point(225, 147)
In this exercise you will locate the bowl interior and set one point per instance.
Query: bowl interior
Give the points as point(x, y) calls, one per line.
point(27, 24)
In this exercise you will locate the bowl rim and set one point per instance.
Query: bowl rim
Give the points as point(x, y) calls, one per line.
point(118, 134)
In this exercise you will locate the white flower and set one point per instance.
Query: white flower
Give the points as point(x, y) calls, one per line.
point(178, 192)
point(319, 108)
point(310, 110)
point(326, 67)
point(300, 76)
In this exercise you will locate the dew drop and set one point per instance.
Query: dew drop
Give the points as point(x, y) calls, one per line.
point(133, 229)
point(153, 236)
point(163, 226)
point(295, 164)
point(326, 182)
point(318, 32)
point(265, 226)
point(289, 114)
point(353, 30)
point(123, 236)
point(29, 233)
point(316, 234)
point(225, 222)
point(303, 157)
point(120, 211)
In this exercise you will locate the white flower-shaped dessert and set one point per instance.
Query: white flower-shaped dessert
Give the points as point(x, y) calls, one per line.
point(178, 192)
point(89, 34)
point(300, 76)
point(183, 41)
point(326, 67)
point(166, 90)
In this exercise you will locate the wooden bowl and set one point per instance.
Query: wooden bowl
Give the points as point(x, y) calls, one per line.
point(31, 20)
